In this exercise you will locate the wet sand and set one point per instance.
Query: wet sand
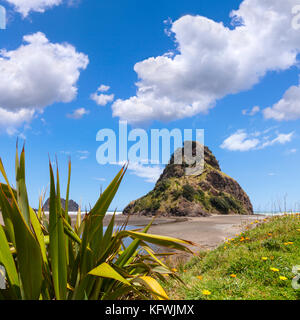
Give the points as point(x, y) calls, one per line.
point(206, 232)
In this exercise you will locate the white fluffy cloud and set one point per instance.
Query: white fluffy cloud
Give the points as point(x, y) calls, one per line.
point(36, 75)
point(281, 139)
point(239, 141)
point(103, 88)
point(252, 112)
point(100, 98)
point(288, 108)
point(25, 6)
point(14, 119)
point(148, 173)
point(213, 61)
point(78, 113)
point(242, 141)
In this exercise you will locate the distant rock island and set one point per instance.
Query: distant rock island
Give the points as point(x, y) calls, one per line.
point(73, 206)
point(176, 194)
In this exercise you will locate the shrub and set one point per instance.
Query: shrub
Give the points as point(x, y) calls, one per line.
point(162, 186)
point(220, 204)
point(155, 205)
point(176, 194)
point(234, 204)
point(188, 192)
point(271, 244)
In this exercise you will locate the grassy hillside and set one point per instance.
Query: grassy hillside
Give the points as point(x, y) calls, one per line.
point(257, 264)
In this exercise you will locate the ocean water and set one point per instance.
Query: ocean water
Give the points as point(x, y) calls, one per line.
point(74, 213)
point(263, 213)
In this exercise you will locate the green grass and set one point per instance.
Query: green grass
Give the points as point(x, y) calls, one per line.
point(254, 279)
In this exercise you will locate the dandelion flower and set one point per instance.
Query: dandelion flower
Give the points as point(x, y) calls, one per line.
point(174, 270)
point(233, 275)
point(274, 269)
point(199, 277)
point(206, 292)
point(283, 278)
point(264, 258)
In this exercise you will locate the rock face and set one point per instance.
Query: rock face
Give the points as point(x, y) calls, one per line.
point(176, 194)
point(73, 206)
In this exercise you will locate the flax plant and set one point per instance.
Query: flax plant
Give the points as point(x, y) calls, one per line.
point(47, 258)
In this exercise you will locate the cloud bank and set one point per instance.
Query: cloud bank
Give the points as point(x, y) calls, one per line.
point(212, 61)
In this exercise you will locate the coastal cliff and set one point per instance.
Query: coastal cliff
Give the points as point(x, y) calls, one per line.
point(178, 194)
point(72, 206)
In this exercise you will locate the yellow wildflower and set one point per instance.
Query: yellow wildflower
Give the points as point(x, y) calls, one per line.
point(264, 258)
point(174, 270)
point(206, 292)
point(283, 278)
point(274, 269)
point(233, 275)
point(199, 277)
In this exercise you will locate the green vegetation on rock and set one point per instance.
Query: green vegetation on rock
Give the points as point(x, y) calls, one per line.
point(211, 192)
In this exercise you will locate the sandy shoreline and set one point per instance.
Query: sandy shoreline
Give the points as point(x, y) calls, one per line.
point(206, 232)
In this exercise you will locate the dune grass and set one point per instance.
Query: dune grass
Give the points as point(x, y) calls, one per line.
point(256, 265)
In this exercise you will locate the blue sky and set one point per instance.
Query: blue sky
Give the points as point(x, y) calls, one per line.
point(238, 80)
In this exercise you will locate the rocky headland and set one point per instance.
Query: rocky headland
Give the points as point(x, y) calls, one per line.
point(177, 194)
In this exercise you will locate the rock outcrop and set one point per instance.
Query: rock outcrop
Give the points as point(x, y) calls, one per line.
point(72, 207)
point(178, 194)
